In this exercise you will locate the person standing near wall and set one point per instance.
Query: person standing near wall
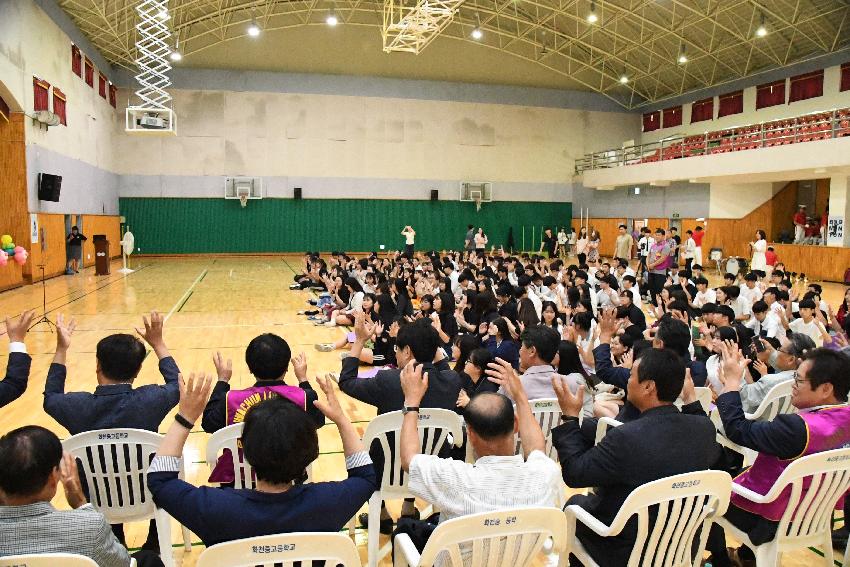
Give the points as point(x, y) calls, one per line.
point(581, 246)
point(623, 246)
point(480, 241)
point(699, 234)
point(562, 243)
point(690, 250)
point(759, 247)
point(409, 237)
point(74, 250)
point(800, 224)
point(548, 243)
point(469, 241)
point(657, 263)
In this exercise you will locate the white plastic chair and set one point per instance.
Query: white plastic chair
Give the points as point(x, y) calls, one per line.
point(115, 463)
point(777, 401)
point(547, 411)
point(603, 424)
point(284, 550)
point(511, 537)
point(243, 473)
point(47, 560)
point(807, 520)
point(703, 397)
point(687, 504)
point(435, 425)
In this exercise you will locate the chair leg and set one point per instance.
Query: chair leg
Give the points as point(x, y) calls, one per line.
point(828, 555)
point(163, 530)
point(373, 530)
point(187, 539)
point(847, 556)
point(767, 555)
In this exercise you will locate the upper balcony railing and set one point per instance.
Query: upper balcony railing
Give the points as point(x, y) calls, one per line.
point(807, 128)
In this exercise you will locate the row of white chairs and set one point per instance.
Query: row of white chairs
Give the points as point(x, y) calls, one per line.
point(685, 507)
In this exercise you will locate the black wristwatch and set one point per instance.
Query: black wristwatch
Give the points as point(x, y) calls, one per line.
point(183, 421)
point(568, 418)
point(407, 409)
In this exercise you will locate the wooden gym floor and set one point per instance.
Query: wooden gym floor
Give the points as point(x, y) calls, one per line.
point(212, 304)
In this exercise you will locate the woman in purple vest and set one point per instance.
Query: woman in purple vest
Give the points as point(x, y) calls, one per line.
point(823, 423)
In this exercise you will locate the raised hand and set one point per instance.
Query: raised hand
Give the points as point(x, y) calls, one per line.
point(64, 330)
point(607, 324)
point(462, 399)
point(17, 328)
point(70, 478)
point(570, 403)
point(689, 393)
point(299, 366)
point(223, 369)
point(194, 394)
point(330, 406)
point(733, 367)
point(361, 333)
point(414, 383)
point(760, 367)
point(502, 373)
point(153, 330)
point(628, 359)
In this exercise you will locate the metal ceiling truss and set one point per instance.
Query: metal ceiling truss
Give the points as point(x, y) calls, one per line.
point(638, 39)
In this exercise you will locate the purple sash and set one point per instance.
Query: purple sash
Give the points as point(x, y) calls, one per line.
point(237, 404)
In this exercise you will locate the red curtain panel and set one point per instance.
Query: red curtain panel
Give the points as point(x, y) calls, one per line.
point(101, 86)
point(76, 61)
point(41, 90)
point(113, 100)
point(59, 101)
point(803, 87)
point(652, 121)
point(845, 77)
point(89, 72)
point(770, 94)
point(702, 110)
point(672, 117)
point(730, 103)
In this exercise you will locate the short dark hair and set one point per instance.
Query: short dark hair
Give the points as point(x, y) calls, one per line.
point(268, 356)
point(700, 280)
point(622, 226)
point(760, 307)
point(422, 339)
point(751, 277)
point(727, 312)
point(279, 440)
point(807, 304)
point(666, 369)
point(630, 278)
point(731, 291)
point(120, 356)
point(28, 455)
point(660, 231)
point(675, 335)
point(829, 366)
point(544, 339)
point(490, 415)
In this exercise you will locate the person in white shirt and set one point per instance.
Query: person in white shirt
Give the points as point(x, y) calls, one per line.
point(562, 243)
point(525, 283)
point(606, 296)
point(630, 283)
point(764, 322)
point(644, 244)
point(750, 289)
point(409, 237)
point(690, 250)
point(704, 293)
point(499, 478)
point(807, 325)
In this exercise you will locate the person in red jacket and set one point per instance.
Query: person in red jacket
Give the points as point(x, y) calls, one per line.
point(799, 224)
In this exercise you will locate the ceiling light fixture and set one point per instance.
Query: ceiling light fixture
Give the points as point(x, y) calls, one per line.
point(477, 33)
point(592, 18)
point(761, 31)
point(332, 20)
point(163, 14)
point(682, 57)
point(253, 29)
point(175, 56)
point(624, 79)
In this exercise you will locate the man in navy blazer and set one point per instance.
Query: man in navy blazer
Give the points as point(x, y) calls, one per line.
point(660, 442)
point(18, 368)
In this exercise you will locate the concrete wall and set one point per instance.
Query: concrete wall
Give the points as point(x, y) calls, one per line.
point(688, 200)
point(32, 44)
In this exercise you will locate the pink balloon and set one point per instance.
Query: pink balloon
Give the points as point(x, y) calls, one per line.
point(4, 258)
point(20, 259)
point(19, 249)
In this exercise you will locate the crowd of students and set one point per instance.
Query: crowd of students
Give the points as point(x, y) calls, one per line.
point(479, 333)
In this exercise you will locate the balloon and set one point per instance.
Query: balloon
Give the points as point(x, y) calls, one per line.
point(20, 249)
point(9, 251)
point(4, 258)
point(21, 257)
point(6, 240)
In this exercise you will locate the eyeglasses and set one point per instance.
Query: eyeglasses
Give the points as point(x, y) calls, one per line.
point(797, 380)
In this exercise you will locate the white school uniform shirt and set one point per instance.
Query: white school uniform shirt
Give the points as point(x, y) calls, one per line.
point(538, 303)
point(644, 244)
point(771, 325)
point(512, 278)
point(741, 306)
point(409, 237)
point(690, 248)
point(604, 300)
point(703, 297)
point(811, 329)
point(776, 308)
point(635, 294)
point(752, 295)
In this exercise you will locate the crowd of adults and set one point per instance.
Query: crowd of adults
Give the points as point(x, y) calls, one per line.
point(481, 333)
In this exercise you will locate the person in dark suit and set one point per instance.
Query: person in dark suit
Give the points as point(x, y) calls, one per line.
point(18, 369)
point(417, 341)
point(661, 442)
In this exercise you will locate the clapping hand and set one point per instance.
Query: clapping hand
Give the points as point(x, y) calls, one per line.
point(223, 369)
point(330, 406)
point(689, 393)
point(299, 366)
point(733, 367)
point(414, 383)
point(760, 367)
point(63, 332)
point(502, 373)
point(570, 403)
point(194, 394)
point(70, 478)
point(17, 328)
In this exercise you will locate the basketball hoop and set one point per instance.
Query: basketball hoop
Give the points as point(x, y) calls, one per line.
point(243, 200)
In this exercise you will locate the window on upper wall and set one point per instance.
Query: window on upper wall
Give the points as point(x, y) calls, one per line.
point(770, 94)
point(59, 100)
point(845, 77)
point(101, 86)
point(672, 117)
point(76, 61)
point(702, 110)
point(41, 94)
point(806, 86)
point(730, 103)
point(113, 100)
point(89, 72)
point(652, 121)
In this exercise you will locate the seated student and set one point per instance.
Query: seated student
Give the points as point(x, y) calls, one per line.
point(750, 289)
point(473, 378)
point(822, 423)
point(632, 311)
point(31, 467)
point(807, 324)
point(114, 403)
point(704, 294)
point(279, 441)
point(498, 479)
point(18, 369)
point(663, 442)
point(500, 342)
point(764, 323)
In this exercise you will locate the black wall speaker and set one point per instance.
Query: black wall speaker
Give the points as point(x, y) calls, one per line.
point(435, 195)
point(297, 194)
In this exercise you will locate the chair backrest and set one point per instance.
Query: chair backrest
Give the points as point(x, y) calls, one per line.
point(228, 438)
point(777, 401)
point(115, 463)
point(510, 537)
point(47, 560)
point(825, 477)
point(685, 506)
point(547, 411)
point(435, 425)
point(703, 397)
point(283, 550)
point(603, 424)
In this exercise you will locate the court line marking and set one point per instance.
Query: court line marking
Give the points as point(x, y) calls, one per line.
point(186, 294)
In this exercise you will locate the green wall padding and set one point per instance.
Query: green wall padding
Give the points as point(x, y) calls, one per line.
point(196, 226)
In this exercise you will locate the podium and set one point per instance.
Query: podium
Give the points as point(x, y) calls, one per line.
point(101, 255)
